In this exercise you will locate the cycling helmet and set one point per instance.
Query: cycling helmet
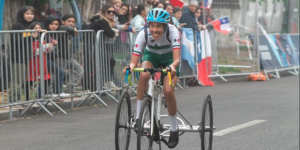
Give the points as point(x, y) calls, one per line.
point(158, 15)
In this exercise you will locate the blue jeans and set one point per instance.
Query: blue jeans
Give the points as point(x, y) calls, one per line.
point(59, 76)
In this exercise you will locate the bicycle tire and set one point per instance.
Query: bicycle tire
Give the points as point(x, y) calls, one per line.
point(206, 133)
point(122, 129)
point(144, 135)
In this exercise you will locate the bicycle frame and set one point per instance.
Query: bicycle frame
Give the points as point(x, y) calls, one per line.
point(155, 104)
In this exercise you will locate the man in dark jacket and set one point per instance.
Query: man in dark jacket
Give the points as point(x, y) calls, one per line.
point(188, 16)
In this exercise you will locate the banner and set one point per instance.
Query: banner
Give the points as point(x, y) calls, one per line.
point(277, 51)
point(187, 47)
point(204, 62)
point(295, 41)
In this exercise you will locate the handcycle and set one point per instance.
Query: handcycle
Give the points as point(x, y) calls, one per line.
point(150, 125)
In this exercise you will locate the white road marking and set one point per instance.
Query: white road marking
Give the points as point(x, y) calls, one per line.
point(238, 127)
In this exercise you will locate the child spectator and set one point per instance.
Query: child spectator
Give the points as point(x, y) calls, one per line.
point(53, 24)
point(34, 63)
point(65, 53)
point(19, 52)
point(176, 17)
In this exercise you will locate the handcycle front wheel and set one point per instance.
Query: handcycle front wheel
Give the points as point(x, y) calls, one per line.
point(122, 125)
point(144, 140)
point(206, 133)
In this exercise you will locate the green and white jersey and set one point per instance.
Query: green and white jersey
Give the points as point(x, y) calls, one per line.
point(160, 46)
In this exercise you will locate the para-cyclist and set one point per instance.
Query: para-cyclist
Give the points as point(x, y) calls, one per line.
point(161, 40)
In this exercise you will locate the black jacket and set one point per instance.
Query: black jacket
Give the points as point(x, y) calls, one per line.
point(21, 42)
point(63, 40)
point(188, 17)
point(97, 23)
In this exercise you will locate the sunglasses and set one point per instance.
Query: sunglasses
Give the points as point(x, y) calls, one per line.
point(110, 11)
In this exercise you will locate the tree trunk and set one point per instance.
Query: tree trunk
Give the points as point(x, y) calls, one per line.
point(87, 9)
point(10, 12)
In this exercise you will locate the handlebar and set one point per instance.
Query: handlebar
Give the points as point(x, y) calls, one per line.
point(150, 70)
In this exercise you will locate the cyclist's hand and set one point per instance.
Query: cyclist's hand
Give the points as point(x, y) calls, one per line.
point(173, 70)
point(131, 68)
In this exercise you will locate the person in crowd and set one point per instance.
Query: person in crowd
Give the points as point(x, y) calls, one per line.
point(20, 53)
point(149, 4)
point(34, 63)
point(188, 16)
point(165, 2)
point(117, 5)
point(177, 13)
point(131, 12)
point(198, 15)
point(139, 19)
point(154, 2)
point(104, 21)
point(65, 53)
point(53, 23)
point(42, 11)
point(158, 5)
point(207, 16)
point(169, 8)
point(124, 17)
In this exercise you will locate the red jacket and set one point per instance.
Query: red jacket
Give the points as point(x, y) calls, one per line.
point(34, 64)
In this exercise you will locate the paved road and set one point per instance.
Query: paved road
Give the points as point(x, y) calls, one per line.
point(235, 103)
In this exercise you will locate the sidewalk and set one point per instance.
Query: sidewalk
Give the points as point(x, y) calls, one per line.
point(65, 105)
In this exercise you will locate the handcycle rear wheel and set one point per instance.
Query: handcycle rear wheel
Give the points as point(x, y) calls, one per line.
point(144, 140)
point(122, 126)
point(206, 133)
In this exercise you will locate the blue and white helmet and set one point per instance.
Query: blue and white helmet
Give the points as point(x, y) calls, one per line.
point(158, 15)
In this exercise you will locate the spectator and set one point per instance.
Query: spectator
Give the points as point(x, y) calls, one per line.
point(20, 54)
point(139, 20)
point(154, 2)
point(65, 53)
point(198, 15)
point(169, 8)
point(188, 16)
point(131, 12)
point(159, 5)
point(34, 63)
point(149, 4)
point(208, 18)
point(43, 10)
point(53, 24)
point(103, 21)
point(177, 13)
point(117, 5)
point(165, 2)
point(124, 17)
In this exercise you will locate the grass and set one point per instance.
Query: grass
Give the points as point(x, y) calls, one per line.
point(224, 70)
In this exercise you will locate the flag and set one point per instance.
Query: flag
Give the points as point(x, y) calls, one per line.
point(207, 3)
point(177, 3)
point(222, 25)
point(204, 62)
point(187, 46)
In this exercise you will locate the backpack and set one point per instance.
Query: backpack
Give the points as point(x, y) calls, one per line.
point(167, 33)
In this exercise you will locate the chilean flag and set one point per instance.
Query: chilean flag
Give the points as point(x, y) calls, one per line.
point(222, 25)
point(204, 62)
